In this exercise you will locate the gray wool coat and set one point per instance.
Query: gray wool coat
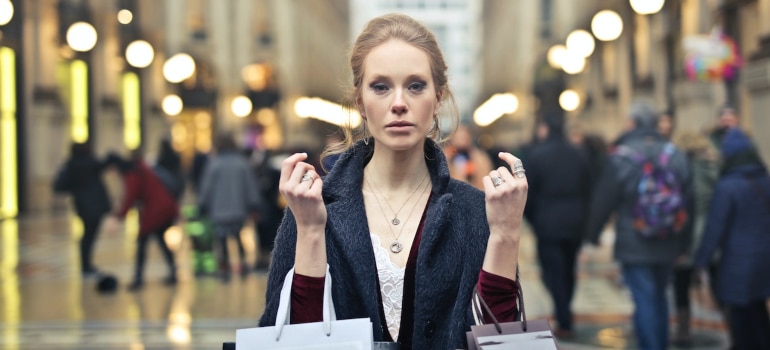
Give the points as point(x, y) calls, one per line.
point(450, 255)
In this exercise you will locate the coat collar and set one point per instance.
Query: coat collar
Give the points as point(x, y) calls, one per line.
point(346, 177)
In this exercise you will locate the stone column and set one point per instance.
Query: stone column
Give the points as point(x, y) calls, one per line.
point(756, 79)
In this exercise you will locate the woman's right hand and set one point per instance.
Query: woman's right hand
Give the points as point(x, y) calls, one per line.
point(301, 186)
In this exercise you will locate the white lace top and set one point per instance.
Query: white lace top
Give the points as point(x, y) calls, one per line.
point(391, 286)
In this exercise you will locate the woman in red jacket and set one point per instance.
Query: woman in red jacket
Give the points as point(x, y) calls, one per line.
point(157, 212)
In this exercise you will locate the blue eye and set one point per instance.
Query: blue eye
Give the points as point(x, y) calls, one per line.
point(379, 87)
point(417, 86)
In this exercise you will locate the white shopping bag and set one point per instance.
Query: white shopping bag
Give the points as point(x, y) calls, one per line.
point(354, 334)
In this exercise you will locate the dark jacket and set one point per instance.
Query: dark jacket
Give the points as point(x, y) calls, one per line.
point(450, 255)
point(559, 187)
point(81, 176)
point(738, 226)
point(616, 192)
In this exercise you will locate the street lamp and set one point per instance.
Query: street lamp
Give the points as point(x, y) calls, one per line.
point(172, 105)
point(647, 7)
point(241, 106)
point(556, 56)
point(607, 25)
point(81, 37)
point(494, 108)
point(581, 42)
point(139, 54)
point(125, 16)
point(569, 100)
point(178, 68)
point(572, 62)
point(6, 11)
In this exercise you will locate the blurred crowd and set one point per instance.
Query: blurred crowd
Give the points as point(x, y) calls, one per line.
point(690, 210)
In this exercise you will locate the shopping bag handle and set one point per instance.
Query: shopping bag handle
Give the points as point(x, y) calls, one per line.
point(284, 304)
point(480, 306)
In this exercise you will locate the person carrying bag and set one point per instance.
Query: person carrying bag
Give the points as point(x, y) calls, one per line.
point(353, 334)
point(522, 334)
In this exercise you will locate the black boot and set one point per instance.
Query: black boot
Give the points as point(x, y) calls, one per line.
point(682, 337)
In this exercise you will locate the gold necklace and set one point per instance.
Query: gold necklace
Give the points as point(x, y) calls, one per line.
point(396, 246)
point(395, 220)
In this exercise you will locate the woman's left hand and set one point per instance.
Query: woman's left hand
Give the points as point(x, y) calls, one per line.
point(506, 195)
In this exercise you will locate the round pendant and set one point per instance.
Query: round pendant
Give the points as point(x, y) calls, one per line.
point(396, 247)
point(395, 221)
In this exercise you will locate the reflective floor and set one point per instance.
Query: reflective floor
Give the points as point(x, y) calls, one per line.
point(45, 304)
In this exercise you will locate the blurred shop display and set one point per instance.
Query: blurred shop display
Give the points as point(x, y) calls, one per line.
point(711, 57)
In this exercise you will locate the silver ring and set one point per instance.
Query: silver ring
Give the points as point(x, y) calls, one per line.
point(497, 181)
point(306, 177)
point(519, 173)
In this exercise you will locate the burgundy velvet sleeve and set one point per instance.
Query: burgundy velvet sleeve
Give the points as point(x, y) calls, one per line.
point(307, 298)
point(500, 295)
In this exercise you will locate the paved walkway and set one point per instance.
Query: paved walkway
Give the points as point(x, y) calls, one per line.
point(45, 304)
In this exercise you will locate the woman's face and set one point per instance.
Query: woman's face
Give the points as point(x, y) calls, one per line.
point(398, 97)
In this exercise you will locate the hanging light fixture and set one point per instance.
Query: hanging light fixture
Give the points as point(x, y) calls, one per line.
point(607, 25)
point(647, 7)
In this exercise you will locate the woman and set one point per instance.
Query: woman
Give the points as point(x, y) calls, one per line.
point(389, 196)
point(736, 225)
point(157, 212)
point(81, 176)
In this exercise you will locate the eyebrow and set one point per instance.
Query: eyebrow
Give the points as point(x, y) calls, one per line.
point(380, 77)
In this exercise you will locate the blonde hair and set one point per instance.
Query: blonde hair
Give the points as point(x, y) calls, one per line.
point(377, 32)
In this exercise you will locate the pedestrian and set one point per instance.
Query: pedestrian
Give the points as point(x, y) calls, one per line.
point(559, 187)
point(467, 162)
point(267, 175)
point(158, 210)
point(388, 196)
point(704, 169)
point(169, 168)
point(81, 177)
point(646, 181)
point(228, 195)
point(736, 229)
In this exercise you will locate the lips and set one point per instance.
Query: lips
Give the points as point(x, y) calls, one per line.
point(400, 123)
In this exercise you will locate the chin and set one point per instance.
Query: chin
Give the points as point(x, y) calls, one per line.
point(404, 143)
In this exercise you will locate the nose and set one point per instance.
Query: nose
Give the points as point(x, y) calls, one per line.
point(398, 106)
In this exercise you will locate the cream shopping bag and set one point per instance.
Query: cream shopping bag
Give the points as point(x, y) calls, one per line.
point(354, 334)
point(519, 335)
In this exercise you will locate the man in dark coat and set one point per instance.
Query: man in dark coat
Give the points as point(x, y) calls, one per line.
point(559, 187)
point(81, 177)
point(646, 262)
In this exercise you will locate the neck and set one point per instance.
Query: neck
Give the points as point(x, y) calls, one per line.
point(396, 170)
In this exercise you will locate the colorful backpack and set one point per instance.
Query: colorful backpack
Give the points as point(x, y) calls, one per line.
point(659, 210)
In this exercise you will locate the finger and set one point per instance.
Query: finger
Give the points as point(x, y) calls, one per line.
point(509, 158)
point(299, 172)
point(309, 177)
point(488, 185)
point(505, 174)
point(316, 187)
point(288, 165)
